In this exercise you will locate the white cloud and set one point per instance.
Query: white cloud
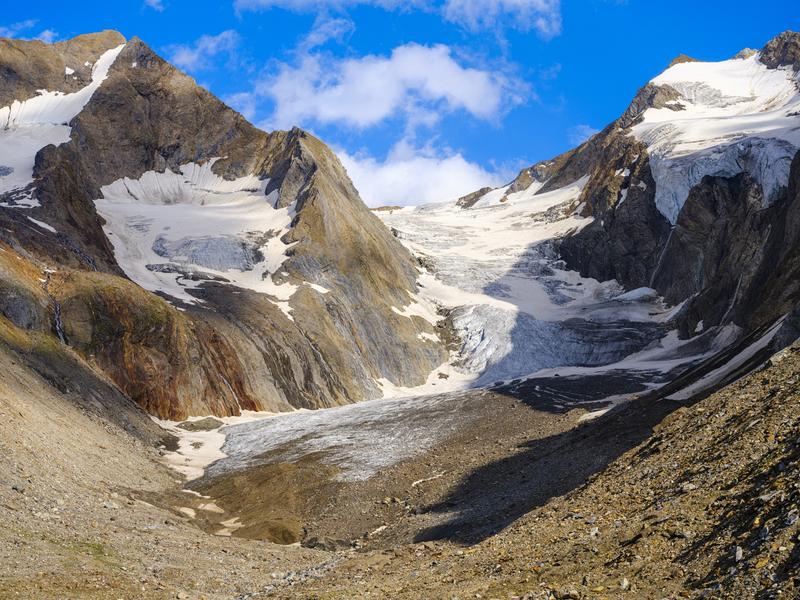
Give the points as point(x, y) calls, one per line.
point(411, 175)
point(543, 16)
point(324, 30)
point(580, 133)
point(197, 56)
point(156, 5)
point(550, 73)
point(16, 30)
point(243, 102)
point(421, 82)
point(48, 36)
point(13, 30)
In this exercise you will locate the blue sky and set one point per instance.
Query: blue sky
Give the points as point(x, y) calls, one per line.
point(424, 101)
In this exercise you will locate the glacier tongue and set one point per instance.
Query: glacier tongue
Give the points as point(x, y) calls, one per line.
point(502, 346)
point(513, 305)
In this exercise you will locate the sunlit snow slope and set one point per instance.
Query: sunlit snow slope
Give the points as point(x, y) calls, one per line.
point(28, 126)
point(173, 231)
point(732, 116)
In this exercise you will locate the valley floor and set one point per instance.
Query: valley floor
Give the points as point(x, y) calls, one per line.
point(654, 499)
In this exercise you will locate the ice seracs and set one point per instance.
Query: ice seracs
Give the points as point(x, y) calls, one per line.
point(732, 116)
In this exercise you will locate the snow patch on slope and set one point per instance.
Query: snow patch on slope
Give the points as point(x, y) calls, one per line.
point(28, 126)
point(172, 232)
point(718, 375)
point(734, 116)
point(198, 449)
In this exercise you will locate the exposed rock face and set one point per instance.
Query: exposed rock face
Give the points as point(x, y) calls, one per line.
point(470, 199)
point(626, 242)
point(775, 290)
point(650, 96)
point(719, 248)
point(745, 53)
point(29, 66)
point(26, 321)
point(235, 349)
point(681, 58)
point(784, 50)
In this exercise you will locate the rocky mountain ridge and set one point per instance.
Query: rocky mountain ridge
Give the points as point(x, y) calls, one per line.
point(317, 329)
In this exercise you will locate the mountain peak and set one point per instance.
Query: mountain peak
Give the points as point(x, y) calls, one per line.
point(744, 53)
point(102, 40)
point(681, 58)
point(783, 50)
point(30, 65)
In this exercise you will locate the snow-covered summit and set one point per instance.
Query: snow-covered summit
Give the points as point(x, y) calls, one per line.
point(731, 116)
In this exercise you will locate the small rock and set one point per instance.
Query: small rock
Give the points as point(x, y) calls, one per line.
point(624, 584)
point(110, 505)
point(738, 554)
point(207, 424)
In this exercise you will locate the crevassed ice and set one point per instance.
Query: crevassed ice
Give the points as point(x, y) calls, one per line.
point(172, 231)
point(28, 126)
point(738, 116)
point(515, 307)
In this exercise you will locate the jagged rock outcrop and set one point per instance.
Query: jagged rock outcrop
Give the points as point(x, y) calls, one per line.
point(228, 348)
point(716, 251)
point(783, 50)
point(470, 199)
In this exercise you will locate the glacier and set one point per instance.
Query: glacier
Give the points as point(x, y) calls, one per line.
point(732, 116)
point(515, 308)
point(171, 232)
